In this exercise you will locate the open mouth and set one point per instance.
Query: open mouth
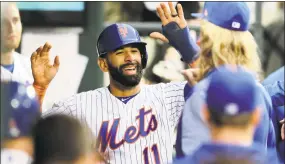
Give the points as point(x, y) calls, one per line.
point(129, 70)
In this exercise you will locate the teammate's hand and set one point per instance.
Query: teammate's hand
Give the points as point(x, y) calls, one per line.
point(167, 16)
point(283, 129)
point(43, 71)
point(191, 75)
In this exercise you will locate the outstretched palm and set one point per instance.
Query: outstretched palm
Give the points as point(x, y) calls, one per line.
point(166, 16)
point(43, 71)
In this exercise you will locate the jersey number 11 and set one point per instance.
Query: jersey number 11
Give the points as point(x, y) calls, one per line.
point(154, 152)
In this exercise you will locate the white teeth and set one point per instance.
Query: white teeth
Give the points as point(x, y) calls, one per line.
point(130, 68)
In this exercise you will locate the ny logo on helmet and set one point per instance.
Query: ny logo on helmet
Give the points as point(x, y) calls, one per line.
point(123, 31)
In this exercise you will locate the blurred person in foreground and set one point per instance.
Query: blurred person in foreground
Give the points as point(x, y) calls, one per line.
point(14, 66)
point(19, 112)
point(232, 111)
point(274, 84)
point(63, 139)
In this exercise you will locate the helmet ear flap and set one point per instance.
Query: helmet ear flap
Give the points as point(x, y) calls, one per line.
point(142, 49)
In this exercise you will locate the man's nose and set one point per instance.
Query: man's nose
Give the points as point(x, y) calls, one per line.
point(129, 56)
point(10, 26)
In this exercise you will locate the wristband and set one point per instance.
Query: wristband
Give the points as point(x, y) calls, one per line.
point(181, 40)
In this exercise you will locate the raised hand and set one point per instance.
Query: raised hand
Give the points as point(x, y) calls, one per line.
point(43, 71)
point(191, 75)
point(166, 16)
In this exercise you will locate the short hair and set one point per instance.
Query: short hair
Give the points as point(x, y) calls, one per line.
point(61, 138)
point(218, 119)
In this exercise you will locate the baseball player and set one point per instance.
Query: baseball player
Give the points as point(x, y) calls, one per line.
point(224, 42)
point(134, 123)
point(14, 66)
point(225, 39)
point(19, 112)
point(232, 117)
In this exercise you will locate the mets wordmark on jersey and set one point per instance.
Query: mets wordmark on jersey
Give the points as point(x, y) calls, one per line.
point(140, 131)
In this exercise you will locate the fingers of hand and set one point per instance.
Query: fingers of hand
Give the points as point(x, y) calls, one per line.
point(172, 8)
point(56, 62)
point(190, 75)
point(33, 57)
point(180, 11)
point(157, 35)
point(165, 11)
point(45, 50)
point(282, 121)
point(161, 15)
point(39, 50)
point(195, 71)
point(47, 47)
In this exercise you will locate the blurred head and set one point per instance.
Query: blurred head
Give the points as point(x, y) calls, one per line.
point(11, 26)
point(62, 139)
point(225, 38)
point(124, 65)
point(19, 113)
point(232, 99)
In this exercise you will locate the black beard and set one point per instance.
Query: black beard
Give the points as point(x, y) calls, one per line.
point(125, 80)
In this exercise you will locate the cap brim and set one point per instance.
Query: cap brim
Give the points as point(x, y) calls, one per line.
point(198, 15)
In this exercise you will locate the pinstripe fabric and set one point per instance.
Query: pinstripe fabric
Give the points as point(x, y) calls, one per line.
point(162, 104)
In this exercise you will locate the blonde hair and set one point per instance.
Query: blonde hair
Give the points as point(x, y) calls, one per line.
point(222, 46)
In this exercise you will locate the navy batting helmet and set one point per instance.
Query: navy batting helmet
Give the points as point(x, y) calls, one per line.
point(19, 109)
point(117, 35)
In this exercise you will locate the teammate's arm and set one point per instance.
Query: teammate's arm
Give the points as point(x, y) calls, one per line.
point(43, 71)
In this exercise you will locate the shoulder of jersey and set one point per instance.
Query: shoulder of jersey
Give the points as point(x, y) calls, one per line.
point(153, 87)
point(103, 90)
point(21, 56)
point(23, 59)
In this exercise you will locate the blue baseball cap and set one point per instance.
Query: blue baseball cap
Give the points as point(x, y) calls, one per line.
point(230, 15)
point(19, 109)
point(232, 91)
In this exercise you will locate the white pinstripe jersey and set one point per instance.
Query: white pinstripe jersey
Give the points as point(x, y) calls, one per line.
point(140, 131)
point(22, 70)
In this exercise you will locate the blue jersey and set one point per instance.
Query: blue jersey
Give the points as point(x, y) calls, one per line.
point(194, 131)
point(222, 153)
point(274, 84)
point(278, 75)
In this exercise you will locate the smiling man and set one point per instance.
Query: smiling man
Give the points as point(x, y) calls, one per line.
point(134, 123)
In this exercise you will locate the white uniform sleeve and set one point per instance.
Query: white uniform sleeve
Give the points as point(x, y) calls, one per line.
point(5, 75)
point(67, 107)
point(174, 100)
